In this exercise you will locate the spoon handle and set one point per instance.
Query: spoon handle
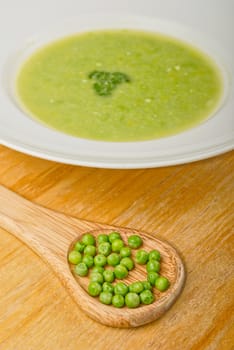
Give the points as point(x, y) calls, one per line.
point(47, 232)
point(50, 235)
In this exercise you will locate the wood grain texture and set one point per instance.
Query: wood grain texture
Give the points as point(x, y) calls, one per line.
point(191, 206)
point(51, 235)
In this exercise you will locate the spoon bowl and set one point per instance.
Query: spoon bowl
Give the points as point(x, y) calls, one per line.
point(52, 235)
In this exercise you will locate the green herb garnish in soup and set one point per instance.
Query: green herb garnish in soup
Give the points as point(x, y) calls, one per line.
point(119, 85)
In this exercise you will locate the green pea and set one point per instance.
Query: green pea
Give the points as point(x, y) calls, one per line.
point(88, 239)
point(128, 263)
point(117, 244)
point(74, 257)
point(142, 257)
point(94, 289)
point(81, 269)
point(147, 297)
point(162, 284)
point(153, 265)
point(114, 235)
point(147, 285)
point(79, 246)
point(136, 287)
point(105, 298)
point(109, 275)
point(96, 277)
point(98, 269)
point(104, 248)
point(152, 276)
point(88, 260)
point(113, 259)
point(154, 255)
point(100, 260)
point(90, 250)
point(132, 300)
point(125, 252)
point(121, 288)
point(134, 241)
point(120, 272)
point(107, 287)
point(118, 300)
point(102, 238)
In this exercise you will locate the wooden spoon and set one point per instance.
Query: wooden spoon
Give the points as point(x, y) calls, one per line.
point(51, 235)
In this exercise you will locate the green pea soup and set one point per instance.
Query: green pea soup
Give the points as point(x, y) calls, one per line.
point(119, 85)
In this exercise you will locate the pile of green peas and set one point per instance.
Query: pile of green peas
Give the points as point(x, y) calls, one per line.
point(107, 258)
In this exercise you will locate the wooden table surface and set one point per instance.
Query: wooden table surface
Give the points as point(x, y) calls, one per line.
point(189, 205)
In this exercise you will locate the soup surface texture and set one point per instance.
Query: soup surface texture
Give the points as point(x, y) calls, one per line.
point(119, 85)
